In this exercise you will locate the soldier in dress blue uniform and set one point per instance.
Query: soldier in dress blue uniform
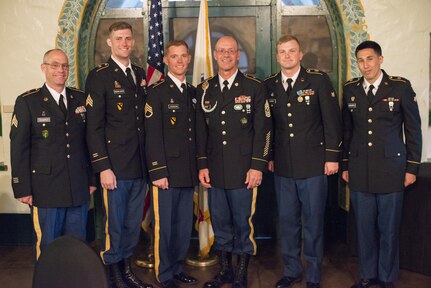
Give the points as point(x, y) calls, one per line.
point(50, 166)
point(115, 133)
point(171, 158)
point(233, 140)
point(378, 164)
point(307, 139)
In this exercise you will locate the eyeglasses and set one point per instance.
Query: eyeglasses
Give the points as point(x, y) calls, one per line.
point(56, 66)
point(228, 51)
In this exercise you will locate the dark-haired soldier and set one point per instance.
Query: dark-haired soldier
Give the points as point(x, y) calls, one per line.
point(171, 158)
point(378, 163)
point(115, 134)
point(50, 166)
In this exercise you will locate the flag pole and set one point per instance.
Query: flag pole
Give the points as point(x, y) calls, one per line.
point(155, 72)
point(202, 69)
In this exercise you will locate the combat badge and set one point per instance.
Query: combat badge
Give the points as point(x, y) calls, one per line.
point(148, 110)
point(89, 101)
point(237, 107)
point(14, 121)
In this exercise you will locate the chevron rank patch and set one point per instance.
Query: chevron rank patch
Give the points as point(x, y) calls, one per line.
point(267, 110)
point(148, 110)
point(89, 101)
point(14, 121)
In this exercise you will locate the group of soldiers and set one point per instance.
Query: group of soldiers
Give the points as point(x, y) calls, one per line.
point(224, 134)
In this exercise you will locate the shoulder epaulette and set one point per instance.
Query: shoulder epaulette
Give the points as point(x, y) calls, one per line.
point(314, 71)
point(205, 82)
point(102, 66)
point(252, 78)
point(351, 81)
point(75, 89)
point(398, 78)
point(136, 66)
point(271, 76)
point(157, 83)
point(29, 92)
point(208, 79)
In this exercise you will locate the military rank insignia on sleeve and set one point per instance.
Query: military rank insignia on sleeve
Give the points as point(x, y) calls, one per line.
point(267, 110)
point(148, 110)
point(14, 121)
point(89, 101)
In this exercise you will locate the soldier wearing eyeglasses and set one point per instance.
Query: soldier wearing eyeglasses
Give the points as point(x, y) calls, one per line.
point(50, 166)
point(233, 125)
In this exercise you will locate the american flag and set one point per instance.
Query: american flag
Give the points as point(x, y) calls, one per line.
point(155, 65)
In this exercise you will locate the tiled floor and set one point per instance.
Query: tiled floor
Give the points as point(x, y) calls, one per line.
point(339, 270)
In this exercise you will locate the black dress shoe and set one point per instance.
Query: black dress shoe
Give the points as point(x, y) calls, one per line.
point(287, 282)
point(169, 284)
point(367, 283)
point(313, 285)
point(130, 278)
point(387, 285)
point(185, 279)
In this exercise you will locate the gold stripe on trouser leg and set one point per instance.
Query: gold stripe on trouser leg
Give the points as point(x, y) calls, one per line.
point(37, 229)
point(156, 231)
point(252, 210)
point(107, 237)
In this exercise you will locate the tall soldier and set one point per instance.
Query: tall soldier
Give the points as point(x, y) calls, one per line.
point(171, 158)
point(233, 139)
point(50, 166)
point(115, 133)
point(307, 139)
point(377, 162)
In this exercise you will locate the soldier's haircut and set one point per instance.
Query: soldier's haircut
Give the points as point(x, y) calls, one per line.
point(287, 38)
point(369, 44)
point(120, 25)
point(46, 55)
point(228, 36)
point(176, 43)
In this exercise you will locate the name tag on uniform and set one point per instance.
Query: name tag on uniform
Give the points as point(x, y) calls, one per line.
point(173, 106)
point(118, 91)
point(351, 105)
point(43, 119)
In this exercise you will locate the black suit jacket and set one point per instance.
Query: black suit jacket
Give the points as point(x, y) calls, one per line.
point(307, 124)
point(49, 153)
point(233, 132)
point(170, 133)
point(115, 129)
point(374, 152)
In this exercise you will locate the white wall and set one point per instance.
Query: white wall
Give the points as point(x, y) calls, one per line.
point(28, 30)
point(29, 27)
point(403, 30)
